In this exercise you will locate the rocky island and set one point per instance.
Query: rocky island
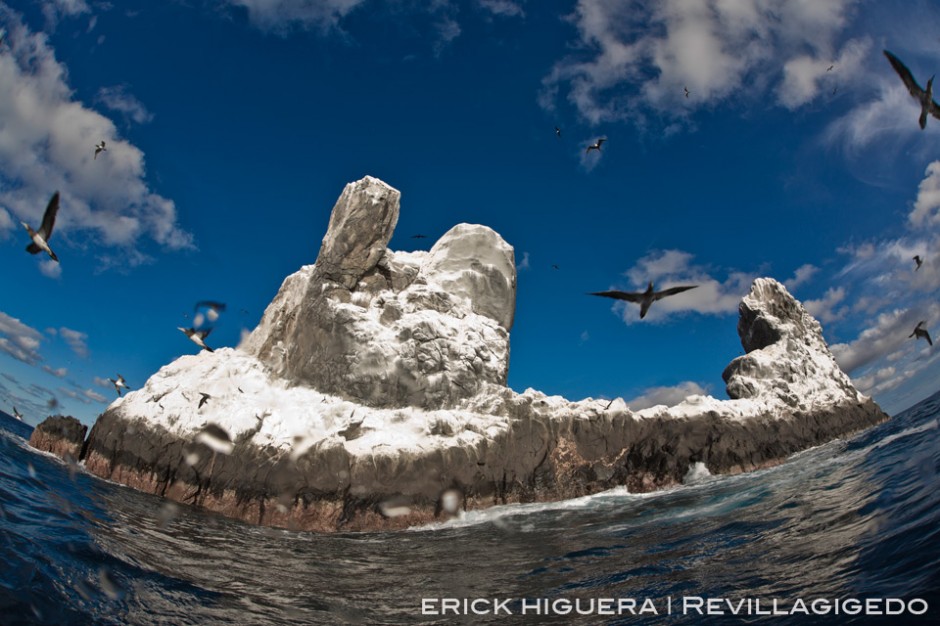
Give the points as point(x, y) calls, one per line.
point(372, 395)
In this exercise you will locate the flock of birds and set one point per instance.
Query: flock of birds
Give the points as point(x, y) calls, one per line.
point(40, 238)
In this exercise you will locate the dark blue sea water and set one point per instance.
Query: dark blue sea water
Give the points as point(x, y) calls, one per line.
point(856, 519)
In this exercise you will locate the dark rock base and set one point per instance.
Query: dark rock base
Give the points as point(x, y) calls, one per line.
point(538, 460)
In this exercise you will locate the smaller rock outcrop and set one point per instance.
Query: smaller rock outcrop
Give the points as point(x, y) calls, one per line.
point(61, 435)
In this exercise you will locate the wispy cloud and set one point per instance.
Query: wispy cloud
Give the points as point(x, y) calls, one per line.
point(281, 15)
point(824, 309)
point(506, 8)
point(77, 341)
point(54, 9)
point(524, 263)
point(119, 99)
point(19, 340)
point(801, 276)
point(58, 373)
point(48, 141)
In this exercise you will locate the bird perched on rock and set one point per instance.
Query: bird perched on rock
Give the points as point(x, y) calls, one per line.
point(100, 148)
point(920, 332)
point(597, 145)
point(119, 384)
point(645, 298)
point(923, 96)
point(919, 261)
point(41, 237)
point(198, 337)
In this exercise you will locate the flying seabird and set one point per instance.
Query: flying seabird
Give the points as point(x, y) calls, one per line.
point(17, 414)
point(41, 237)
point(921, 332)
point(205, 398)
point(596, 146)
point(686, 89)
point(198, 337)
point(118, 384)
point(100, 148)
point(557, 132)
point(419, 236)
point(645, 298)
point(555, 267)
point(829, 69)
point(919, 261)
point(924, 97)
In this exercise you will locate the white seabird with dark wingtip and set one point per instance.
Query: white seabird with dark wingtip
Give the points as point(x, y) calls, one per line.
point(597, 145)
point(923, 96)
point(119, 384)
point(17, 414)
point(100, 148)
point(41, 237)
point(198, 337)
point(645, 298)
point(920, 332)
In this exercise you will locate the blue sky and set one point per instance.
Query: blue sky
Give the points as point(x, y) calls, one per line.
point(233, 125)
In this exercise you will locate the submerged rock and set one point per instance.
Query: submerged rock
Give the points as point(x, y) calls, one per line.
point(372, 395)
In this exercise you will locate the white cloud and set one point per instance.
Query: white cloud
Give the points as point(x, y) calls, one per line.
point(927, 206)
point(670, 268)
point(506, 8)
point(666, 395)
point(77, 341)
point(119, 99)
point(47, 143)
point(58, 373)
point(889, 118)
point(802, 275)
point(91, 394)
point(103, 382)
point(524, 264)
point(53, 9)
point(631, 57)
point(279, 15)
point(50, 268)
point(824, 309)
point(19, 340)
point(889, 334)
point(805, 76)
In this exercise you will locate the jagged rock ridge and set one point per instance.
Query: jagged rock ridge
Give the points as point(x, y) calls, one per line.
point(378, 377)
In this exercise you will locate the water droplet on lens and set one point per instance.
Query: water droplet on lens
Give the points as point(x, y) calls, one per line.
point(167, 514)
point(108, 586)
point(451, 500)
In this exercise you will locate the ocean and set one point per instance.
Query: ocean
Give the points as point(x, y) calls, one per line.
point(835, 535)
